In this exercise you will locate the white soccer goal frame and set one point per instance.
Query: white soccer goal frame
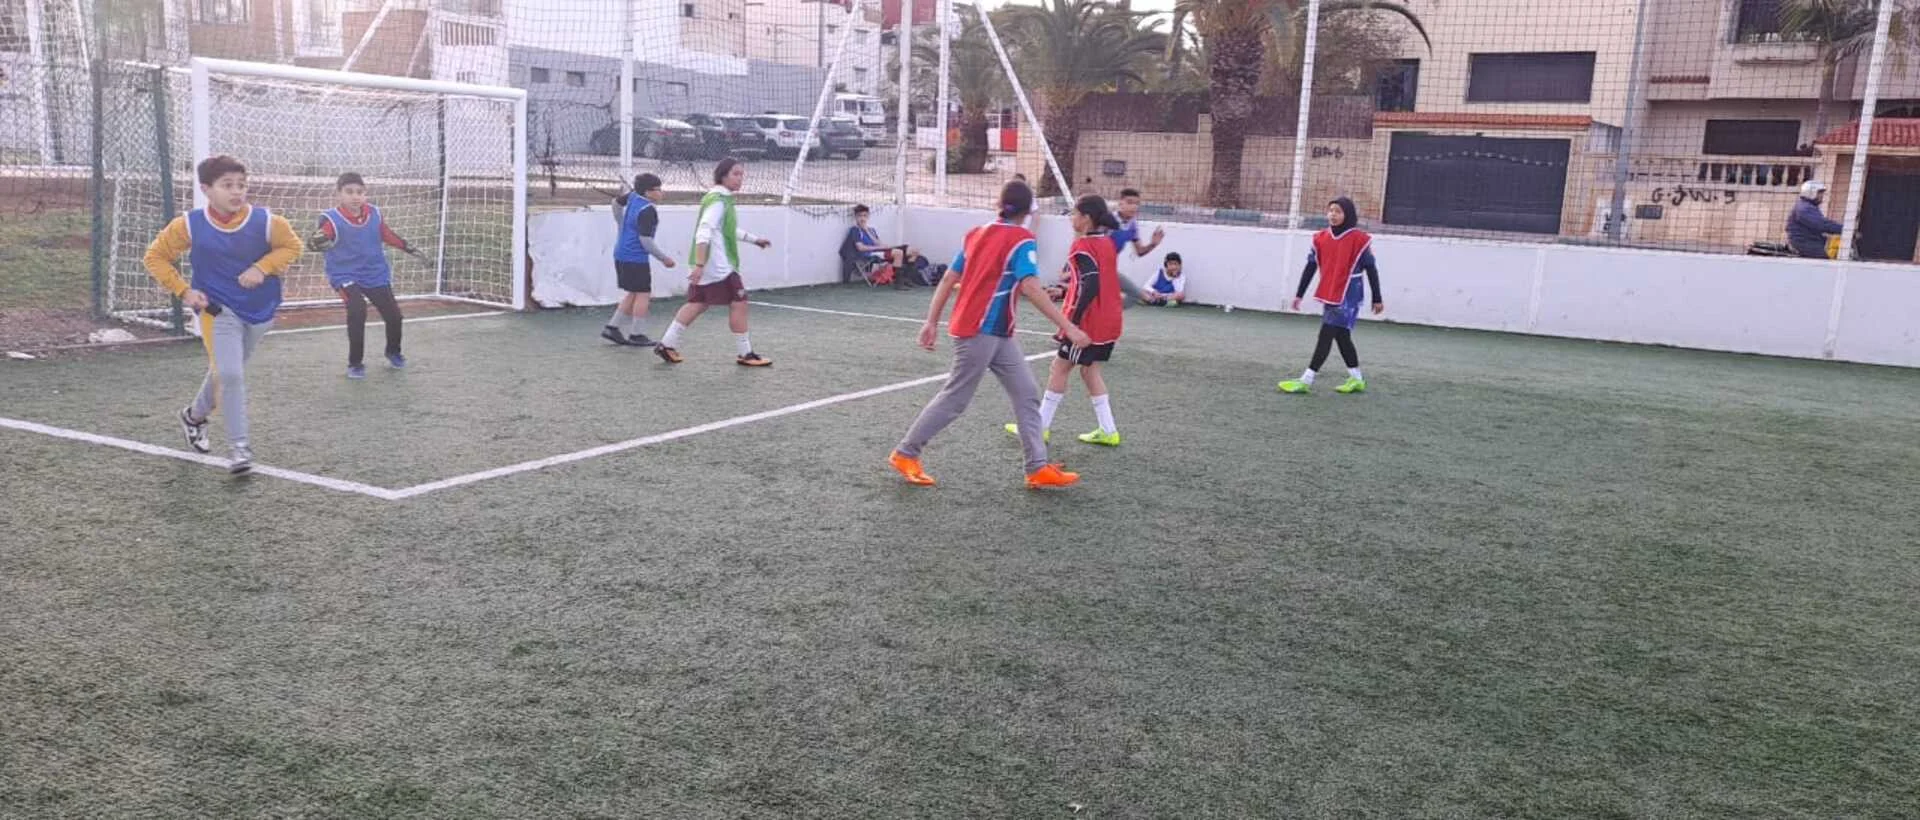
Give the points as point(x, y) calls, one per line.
point(200, 109)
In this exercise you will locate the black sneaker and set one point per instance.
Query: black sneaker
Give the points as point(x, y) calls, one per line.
point(242, 461)
point(613, 334)
point(639, 340)
point(195, 431)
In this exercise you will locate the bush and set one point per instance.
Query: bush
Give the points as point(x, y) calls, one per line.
point(954, 155)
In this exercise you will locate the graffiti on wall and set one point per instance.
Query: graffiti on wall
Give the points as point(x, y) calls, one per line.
point(1681, 194)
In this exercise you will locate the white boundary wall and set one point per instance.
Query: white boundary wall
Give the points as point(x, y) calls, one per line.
point(572, 251)
point(1745, 304)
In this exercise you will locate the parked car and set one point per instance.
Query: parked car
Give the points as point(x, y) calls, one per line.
point(727, 135)
point(841, 135)
point(785, 134)
point(652, 138)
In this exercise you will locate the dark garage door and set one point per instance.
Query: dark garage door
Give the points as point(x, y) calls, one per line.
point(1486, 183)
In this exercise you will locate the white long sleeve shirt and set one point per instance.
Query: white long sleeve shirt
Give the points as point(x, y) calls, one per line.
point(708, 233)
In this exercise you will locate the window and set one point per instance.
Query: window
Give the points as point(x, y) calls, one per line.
point(1757, 21)
point(478, 8)
point(13, 25)
point(468, 77)
point(577, 79)
point(541, 75)
point(1544, 77)
point(860, 77)
point(1752, 138)
point(1397, 87)
point(221, 11)
point(465, 34)
point(686, 10)
point(831, 29)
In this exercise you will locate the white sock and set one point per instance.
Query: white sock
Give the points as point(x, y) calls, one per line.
point(1104, 413)
point(621, 318)
point(1354, 373)
point(1307, 375)
point(1049, 402)
point(741, 345)
point(638, 320)
point(672, 339)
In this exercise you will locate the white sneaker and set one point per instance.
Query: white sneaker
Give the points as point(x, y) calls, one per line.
point(195, 431)
point(242, 461)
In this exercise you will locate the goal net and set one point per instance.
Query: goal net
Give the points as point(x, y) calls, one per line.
point(444, 162)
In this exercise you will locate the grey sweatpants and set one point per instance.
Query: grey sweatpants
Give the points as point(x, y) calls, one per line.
point(1132, 291)
point(972, 358)
point(230, 342)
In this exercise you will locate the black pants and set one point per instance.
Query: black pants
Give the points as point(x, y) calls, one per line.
point(1329, 336)
point(356, 299)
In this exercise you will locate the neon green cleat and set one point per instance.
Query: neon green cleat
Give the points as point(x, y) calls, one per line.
point(1014, 430)
point(1295, 386)
point(1103, 439)
point(1351, 385)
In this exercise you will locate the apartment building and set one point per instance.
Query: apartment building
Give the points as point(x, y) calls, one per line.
point(1537, 97)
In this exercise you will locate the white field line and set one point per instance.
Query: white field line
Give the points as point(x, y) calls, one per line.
point(873, 316)
point(341, 485)
point(446, 318)
point(660, 438)
point(335, 484)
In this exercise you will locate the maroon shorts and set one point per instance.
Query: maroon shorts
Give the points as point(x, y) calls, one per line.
point(724, 292)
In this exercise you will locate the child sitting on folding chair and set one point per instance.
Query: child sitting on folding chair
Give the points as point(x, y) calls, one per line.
point(877, 263)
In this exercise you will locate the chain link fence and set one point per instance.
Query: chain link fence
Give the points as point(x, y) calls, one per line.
point(1689, 125)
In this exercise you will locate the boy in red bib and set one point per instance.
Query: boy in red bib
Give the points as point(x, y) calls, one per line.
point(1339, 253)
point(1094, 303)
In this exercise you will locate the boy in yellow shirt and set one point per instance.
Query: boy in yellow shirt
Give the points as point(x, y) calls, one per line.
point(237, 253)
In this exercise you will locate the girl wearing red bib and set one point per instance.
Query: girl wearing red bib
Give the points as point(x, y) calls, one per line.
point(994, 268)
point(1340, 253)
point(1093, 302)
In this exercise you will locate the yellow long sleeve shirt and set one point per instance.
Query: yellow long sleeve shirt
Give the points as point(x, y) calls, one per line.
point(163, 256)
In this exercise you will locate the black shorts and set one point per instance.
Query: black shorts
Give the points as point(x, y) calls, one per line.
point(635, 277)
point(1091, 354)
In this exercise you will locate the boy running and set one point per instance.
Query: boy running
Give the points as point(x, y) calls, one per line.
point(352, 235)
point(995, 263)
point(715, 279)
point(632, 255)
point(1339, 252)
point(1129, 234)
point(238, 253)
point(1095, 303)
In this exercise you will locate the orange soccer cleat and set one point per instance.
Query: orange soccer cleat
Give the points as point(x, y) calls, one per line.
point(1051, 476)
point(910, 469)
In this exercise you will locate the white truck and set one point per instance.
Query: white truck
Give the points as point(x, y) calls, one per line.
point(865, 110)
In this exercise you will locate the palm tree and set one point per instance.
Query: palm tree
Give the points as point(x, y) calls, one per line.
point(1238, 35)
point(1843, 29)
point(976, 78)
point(1067, 49)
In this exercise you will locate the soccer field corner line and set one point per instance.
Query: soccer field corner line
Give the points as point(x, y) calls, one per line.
point(385, 494)
point(859, 315)
point(485, 314)
point(672, 435)
point(335, 484)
